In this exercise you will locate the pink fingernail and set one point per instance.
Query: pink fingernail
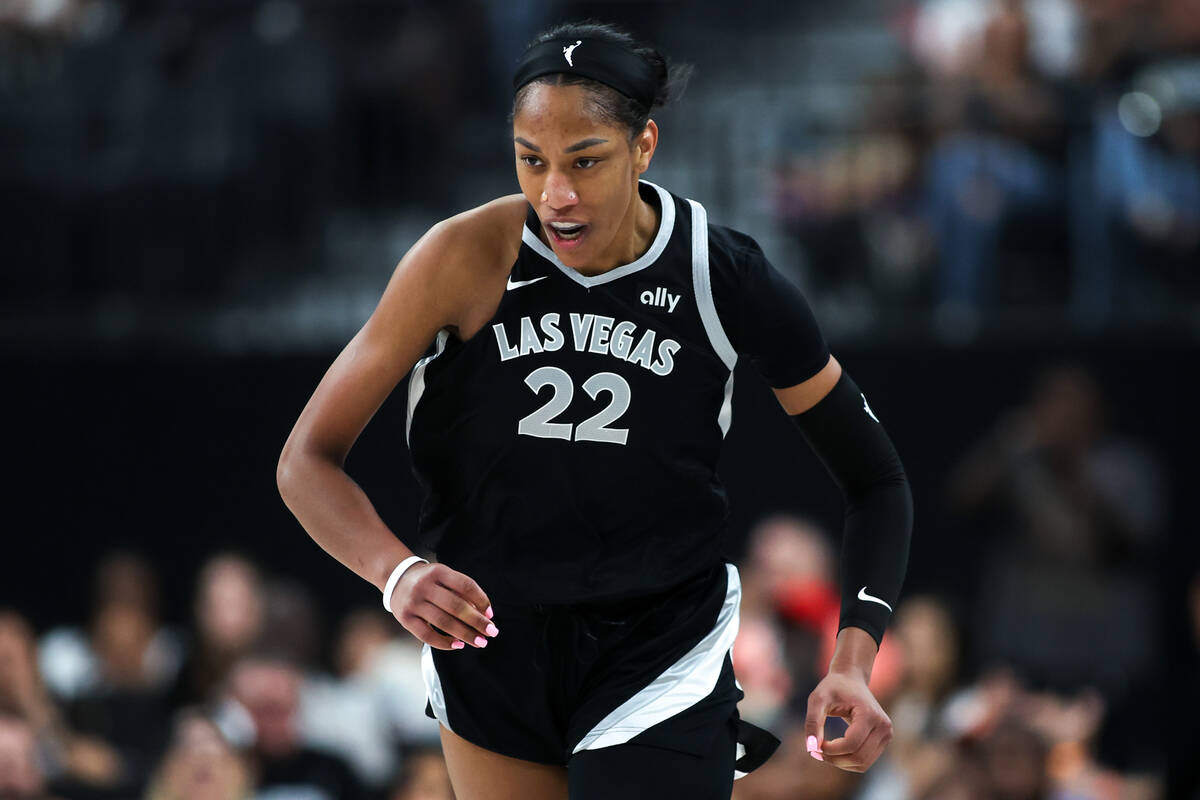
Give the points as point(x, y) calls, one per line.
point(458, 645)
point(492, 630)
point(816, 755)
point(488, 612)
point(480, 641)
point(811, 743)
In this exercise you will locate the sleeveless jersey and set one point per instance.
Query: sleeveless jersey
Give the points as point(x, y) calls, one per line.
point(568, 450)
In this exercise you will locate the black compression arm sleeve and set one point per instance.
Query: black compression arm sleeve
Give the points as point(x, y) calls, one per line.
point(845, 434)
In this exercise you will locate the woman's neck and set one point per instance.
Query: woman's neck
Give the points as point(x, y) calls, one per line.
point(633, 239)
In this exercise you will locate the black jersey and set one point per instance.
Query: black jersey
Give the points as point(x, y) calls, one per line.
point(568, 450)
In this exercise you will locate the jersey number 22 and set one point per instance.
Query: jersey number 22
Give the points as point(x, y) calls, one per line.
point(594, 428)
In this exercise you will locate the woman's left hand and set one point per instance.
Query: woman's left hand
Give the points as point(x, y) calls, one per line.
point(845, 695)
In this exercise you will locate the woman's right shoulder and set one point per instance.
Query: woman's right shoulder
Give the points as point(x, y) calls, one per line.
point(460, 267)
point(480, 240)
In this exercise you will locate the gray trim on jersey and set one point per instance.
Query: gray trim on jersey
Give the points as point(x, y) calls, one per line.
point(725, 415)
point(416, 383)
point(683, 684)
point(665, 227)
point(702, 283)
point(433, 687)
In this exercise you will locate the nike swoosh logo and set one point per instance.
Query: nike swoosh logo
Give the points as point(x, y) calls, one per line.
point(867, 408)
point(517, 284)
point(862, 595)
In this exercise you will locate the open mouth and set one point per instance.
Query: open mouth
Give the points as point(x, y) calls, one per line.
point(566, 234)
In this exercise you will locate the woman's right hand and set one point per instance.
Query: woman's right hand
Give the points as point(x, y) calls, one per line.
point(432, 600)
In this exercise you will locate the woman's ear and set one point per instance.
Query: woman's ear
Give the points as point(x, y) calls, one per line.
point(644, 145)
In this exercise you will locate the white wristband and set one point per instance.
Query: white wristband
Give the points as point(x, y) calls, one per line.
point(394, 578)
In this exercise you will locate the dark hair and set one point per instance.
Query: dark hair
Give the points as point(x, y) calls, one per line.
point(604, 101)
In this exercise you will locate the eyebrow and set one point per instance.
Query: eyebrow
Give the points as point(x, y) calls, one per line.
point(582, 145)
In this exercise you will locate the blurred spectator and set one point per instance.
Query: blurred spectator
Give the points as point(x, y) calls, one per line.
point(124, 708)
point(78, 765)
point(848, 203)
point(21, 686)
point(786, 637)
point(789, 623)
point(1028, 739)
point(995, 184)
point(112, 681)
point(20, 774)
point(375, 706)
point(784, 555)
point(946, 33)
point(851, 199)
point(1014, 763)
point(931, 656)
point(998, 740)
point(1137, 220)
point(964, 782)
point(291, 626)
point(924, 729)
point(1074, 514)
point(199, 765)
point(126, 645)
point(1068, 727)
point(262, 713)
point(424, 777)
point(229, 621)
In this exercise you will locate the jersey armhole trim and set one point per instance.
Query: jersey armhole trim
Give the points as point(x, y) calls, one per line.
point(702, 281)
point(416, 383)
point(702, 285)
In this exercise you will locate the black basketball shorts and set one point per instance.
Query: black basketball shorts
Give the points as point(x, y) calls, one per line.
point(642, 684)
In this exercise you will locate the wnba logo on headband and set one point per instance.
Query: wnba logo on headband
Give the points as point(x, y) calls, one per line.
point(567, 52)
point(604, 62)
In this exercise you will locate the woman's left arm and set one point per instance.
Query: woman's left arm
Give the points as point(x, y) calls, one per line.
point(767, 319)
point(844, 432)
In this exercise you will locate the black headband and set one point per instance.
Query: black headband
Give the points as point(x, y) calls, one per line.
point(610, 64)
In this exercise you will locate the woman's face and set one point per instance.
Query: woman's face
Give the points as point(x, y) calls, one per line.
point(577, 170)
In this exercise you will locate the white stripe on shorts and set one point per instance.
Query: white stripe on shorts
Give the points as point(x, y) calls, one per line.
point(433, 687)
point(738, 751)
point(685, 683)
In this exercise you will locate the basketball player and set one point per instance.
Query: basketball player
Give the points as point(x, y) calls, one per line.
point(565, 427)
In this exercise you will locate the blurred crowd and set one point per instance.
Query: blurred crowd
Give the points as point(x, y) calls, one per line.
point(194, 151)
point(244, 701)
point(1030, 154)
point(1038, 154)
point(1044, 679)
